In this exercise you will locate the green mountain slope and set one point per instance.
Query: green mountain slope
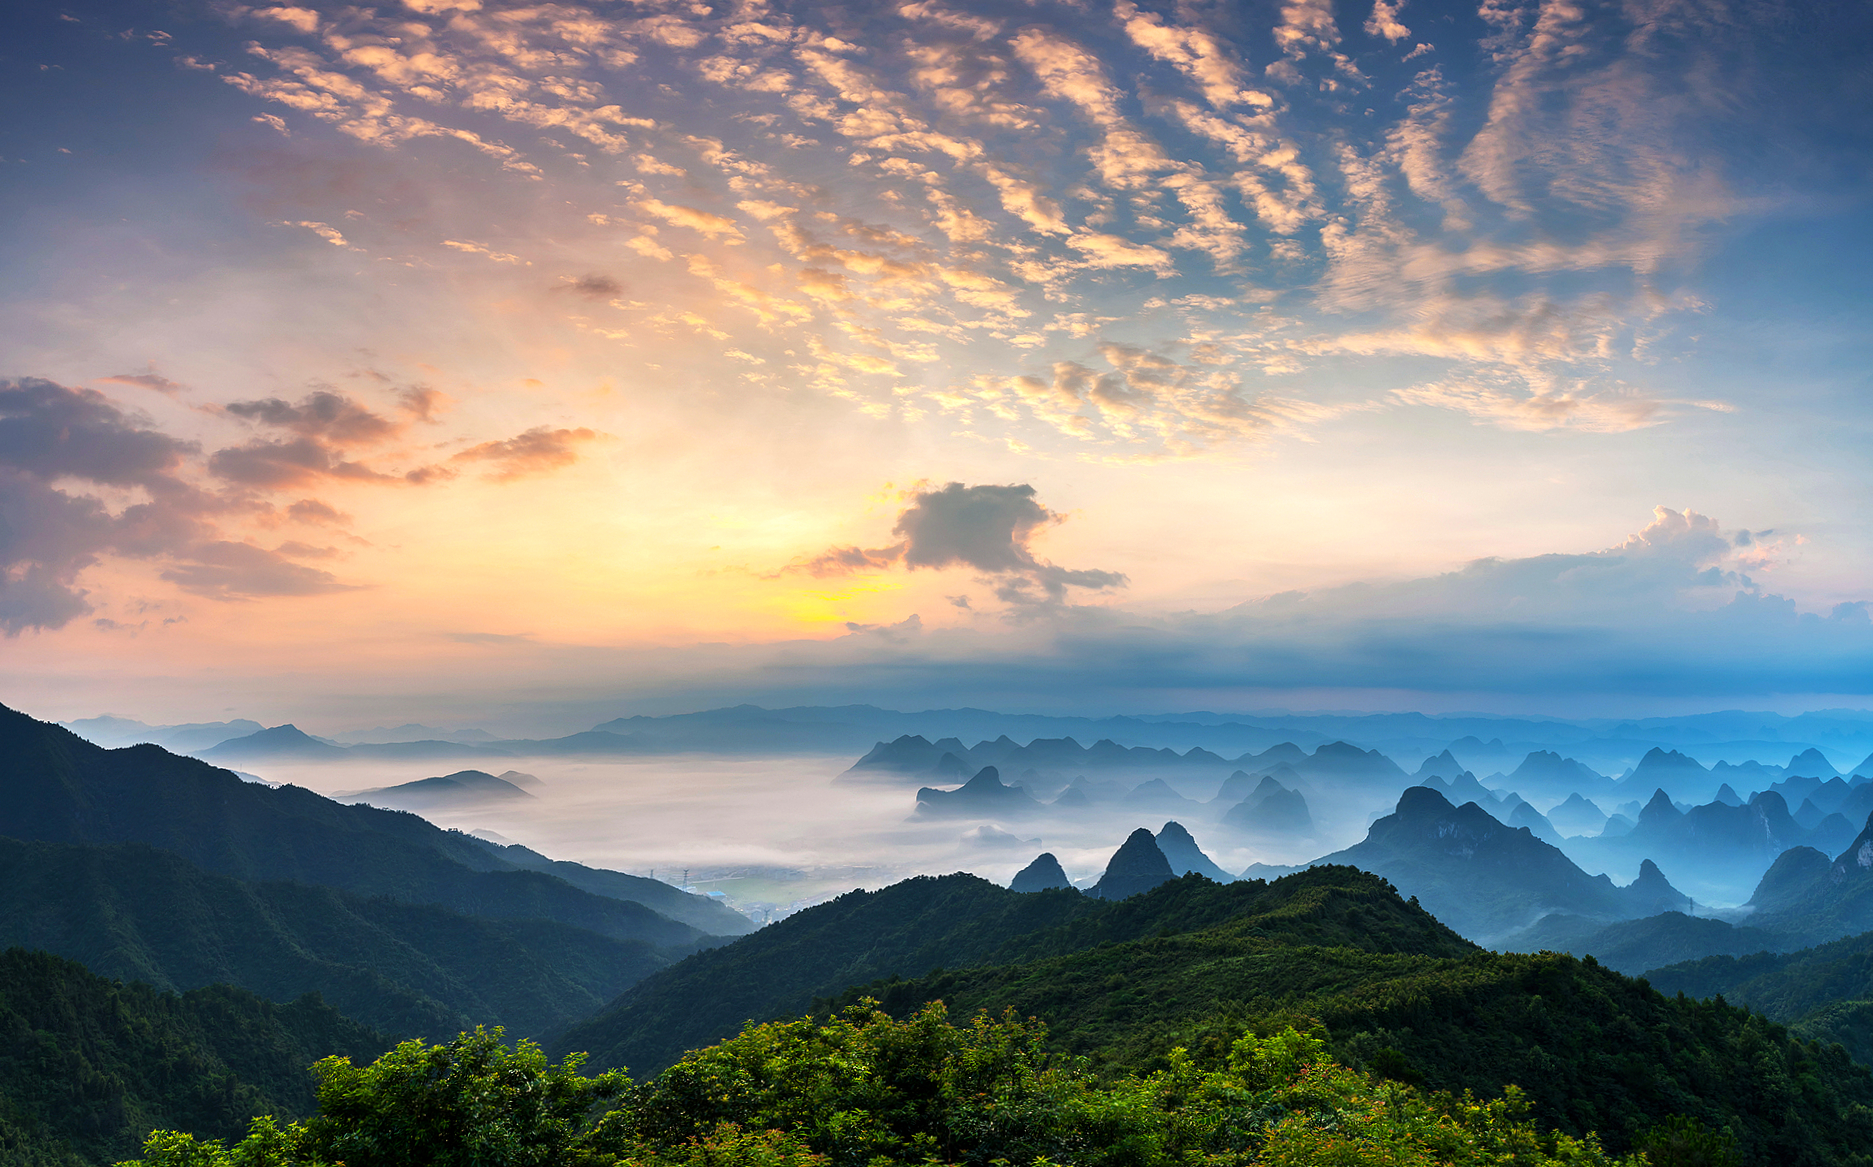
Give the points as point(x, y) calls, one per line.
point(1593, 1049)
point(88, 1066)
point(137, 913)
point(949, 922)
point(57, 787)
point(1825, 992)
point(699, 912)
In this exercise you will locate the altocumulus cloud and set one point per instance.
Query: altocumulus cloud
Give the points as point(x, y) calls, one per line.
point(989, 528)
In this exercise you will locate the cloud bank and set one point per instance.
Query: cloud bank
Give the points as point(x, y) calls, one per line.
point(1678, 611)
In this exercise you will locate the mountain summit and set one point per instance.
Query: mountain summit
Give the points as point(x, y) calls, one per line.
point(1137, 866)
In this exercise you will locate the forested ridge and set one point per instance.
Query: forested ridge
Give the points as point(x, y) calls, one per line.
point(88, 1066)
point(138, 913)
point(1136, 1035)
point(957, 921)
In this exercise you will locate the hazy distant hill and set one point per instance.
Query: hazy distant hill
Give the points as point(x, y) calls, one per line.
point(462, 788)
point(278, 741)
point(1336, 765)
point(115, 732)
point(1546, 774)
point(1679, 775)
point(90, 1065)
point(1272, 810)
point(1717, 844)
point(983, 796)
point(1634, 946)
point(57, 787)
point(1486, 879)
point(1180, 848)
point(1577, 816)
point(1804, 898)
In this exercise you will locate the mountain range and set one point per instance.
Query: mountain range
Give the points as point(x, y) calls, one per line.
point(374, 923)
point(1486, 879)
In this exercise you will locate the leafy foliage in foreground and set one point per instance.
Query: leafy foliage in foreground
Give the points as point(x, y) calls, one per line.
point(864, 1090)
point(88, 1065)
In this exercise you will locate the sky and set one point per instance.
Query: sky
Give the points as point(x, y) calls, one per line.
point(370, 363)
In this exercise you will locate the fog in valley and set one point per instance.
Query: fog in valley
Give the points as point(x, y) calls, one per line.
point(778, 833)
point(772, 831)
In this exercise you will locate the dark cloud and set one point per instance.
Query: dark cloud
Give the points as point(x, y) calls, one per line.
point(593, 287)
point(421, 402)
point(534, 452)
point(984, 527)
point(50, 431)
point(297, 462)
point(323, 424)
point(323, 415)
point(48, 533)
point(225, 570)
point(988, 528)
point(311, 510)
point(293, 548)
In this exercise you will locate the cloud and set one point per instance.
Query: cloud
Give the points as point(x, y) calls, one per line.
point(153, 381)
point(536, 451)
point(1606, 411)
point(275, 465)
point(325, 231)
point(696, 220)
point(593, 287)
point(303, 19)
point(82, 479)
point(1384, 21)
point(311, 510)
point(1522, 207)
point(323, 414)
point(986, 528)
point(473, 248)
point(54, 440)
point(324, 425)
point(224, 570)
